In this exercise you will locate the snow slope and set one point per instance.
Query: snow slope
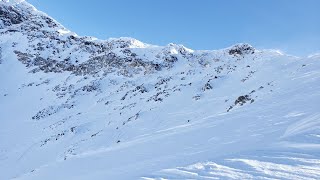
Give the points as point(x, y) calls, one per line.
point(76, 107)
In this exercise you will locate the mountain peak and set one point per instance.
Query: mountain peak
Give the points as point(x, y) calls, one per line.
point(129, 42)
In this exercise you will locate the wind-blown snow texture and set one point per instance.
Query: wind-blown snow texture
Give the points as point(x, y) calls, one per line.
point(80, 108)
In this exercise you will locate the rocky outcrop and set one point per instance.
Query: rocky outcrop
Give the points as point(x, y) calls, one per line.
point(241, 49)
point(9, 16)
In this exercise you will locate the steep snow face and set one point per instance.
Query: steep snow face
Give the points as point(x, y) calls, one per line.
point(76, 107)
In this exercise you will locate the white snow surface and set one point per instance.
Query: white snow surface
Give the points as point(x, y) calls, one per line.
point(76, 107)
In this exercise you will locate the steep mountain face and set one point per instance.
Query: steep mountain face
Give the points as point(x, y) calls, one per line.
point(76, 107)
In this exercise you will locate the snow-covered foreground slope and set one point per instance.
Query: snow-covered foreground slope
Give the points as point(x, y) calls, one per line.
point(285, 165)
point(80, 108)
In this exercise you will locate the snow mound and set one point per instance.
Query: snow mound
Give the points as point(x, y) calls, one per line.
point(128, 42)
point(316, 55)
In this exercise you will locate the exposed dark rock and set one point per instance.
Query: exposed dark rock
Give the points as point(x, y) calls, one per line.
point(241, 49)
point(196, 97)
point(49, 111)
point(207, 86)
point(134, 117)
point(53, 138)
point(9, 16)
point(90, 87)
point(242, 100)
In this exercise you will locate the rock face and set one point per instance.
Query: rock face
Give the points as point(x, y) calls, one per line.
point(10, 16)
point(241, 49)
point(123, 108)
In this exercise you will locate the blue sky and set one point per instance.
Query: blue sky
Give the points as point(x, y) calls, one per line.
point(292, 26)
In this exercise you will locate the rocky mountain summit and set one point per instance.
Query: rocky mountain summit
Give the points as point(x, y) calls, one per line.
point(75, 107)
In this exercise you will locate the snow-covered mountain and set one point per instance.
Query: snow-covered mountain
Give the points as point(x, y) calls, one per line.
point(76, 107)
